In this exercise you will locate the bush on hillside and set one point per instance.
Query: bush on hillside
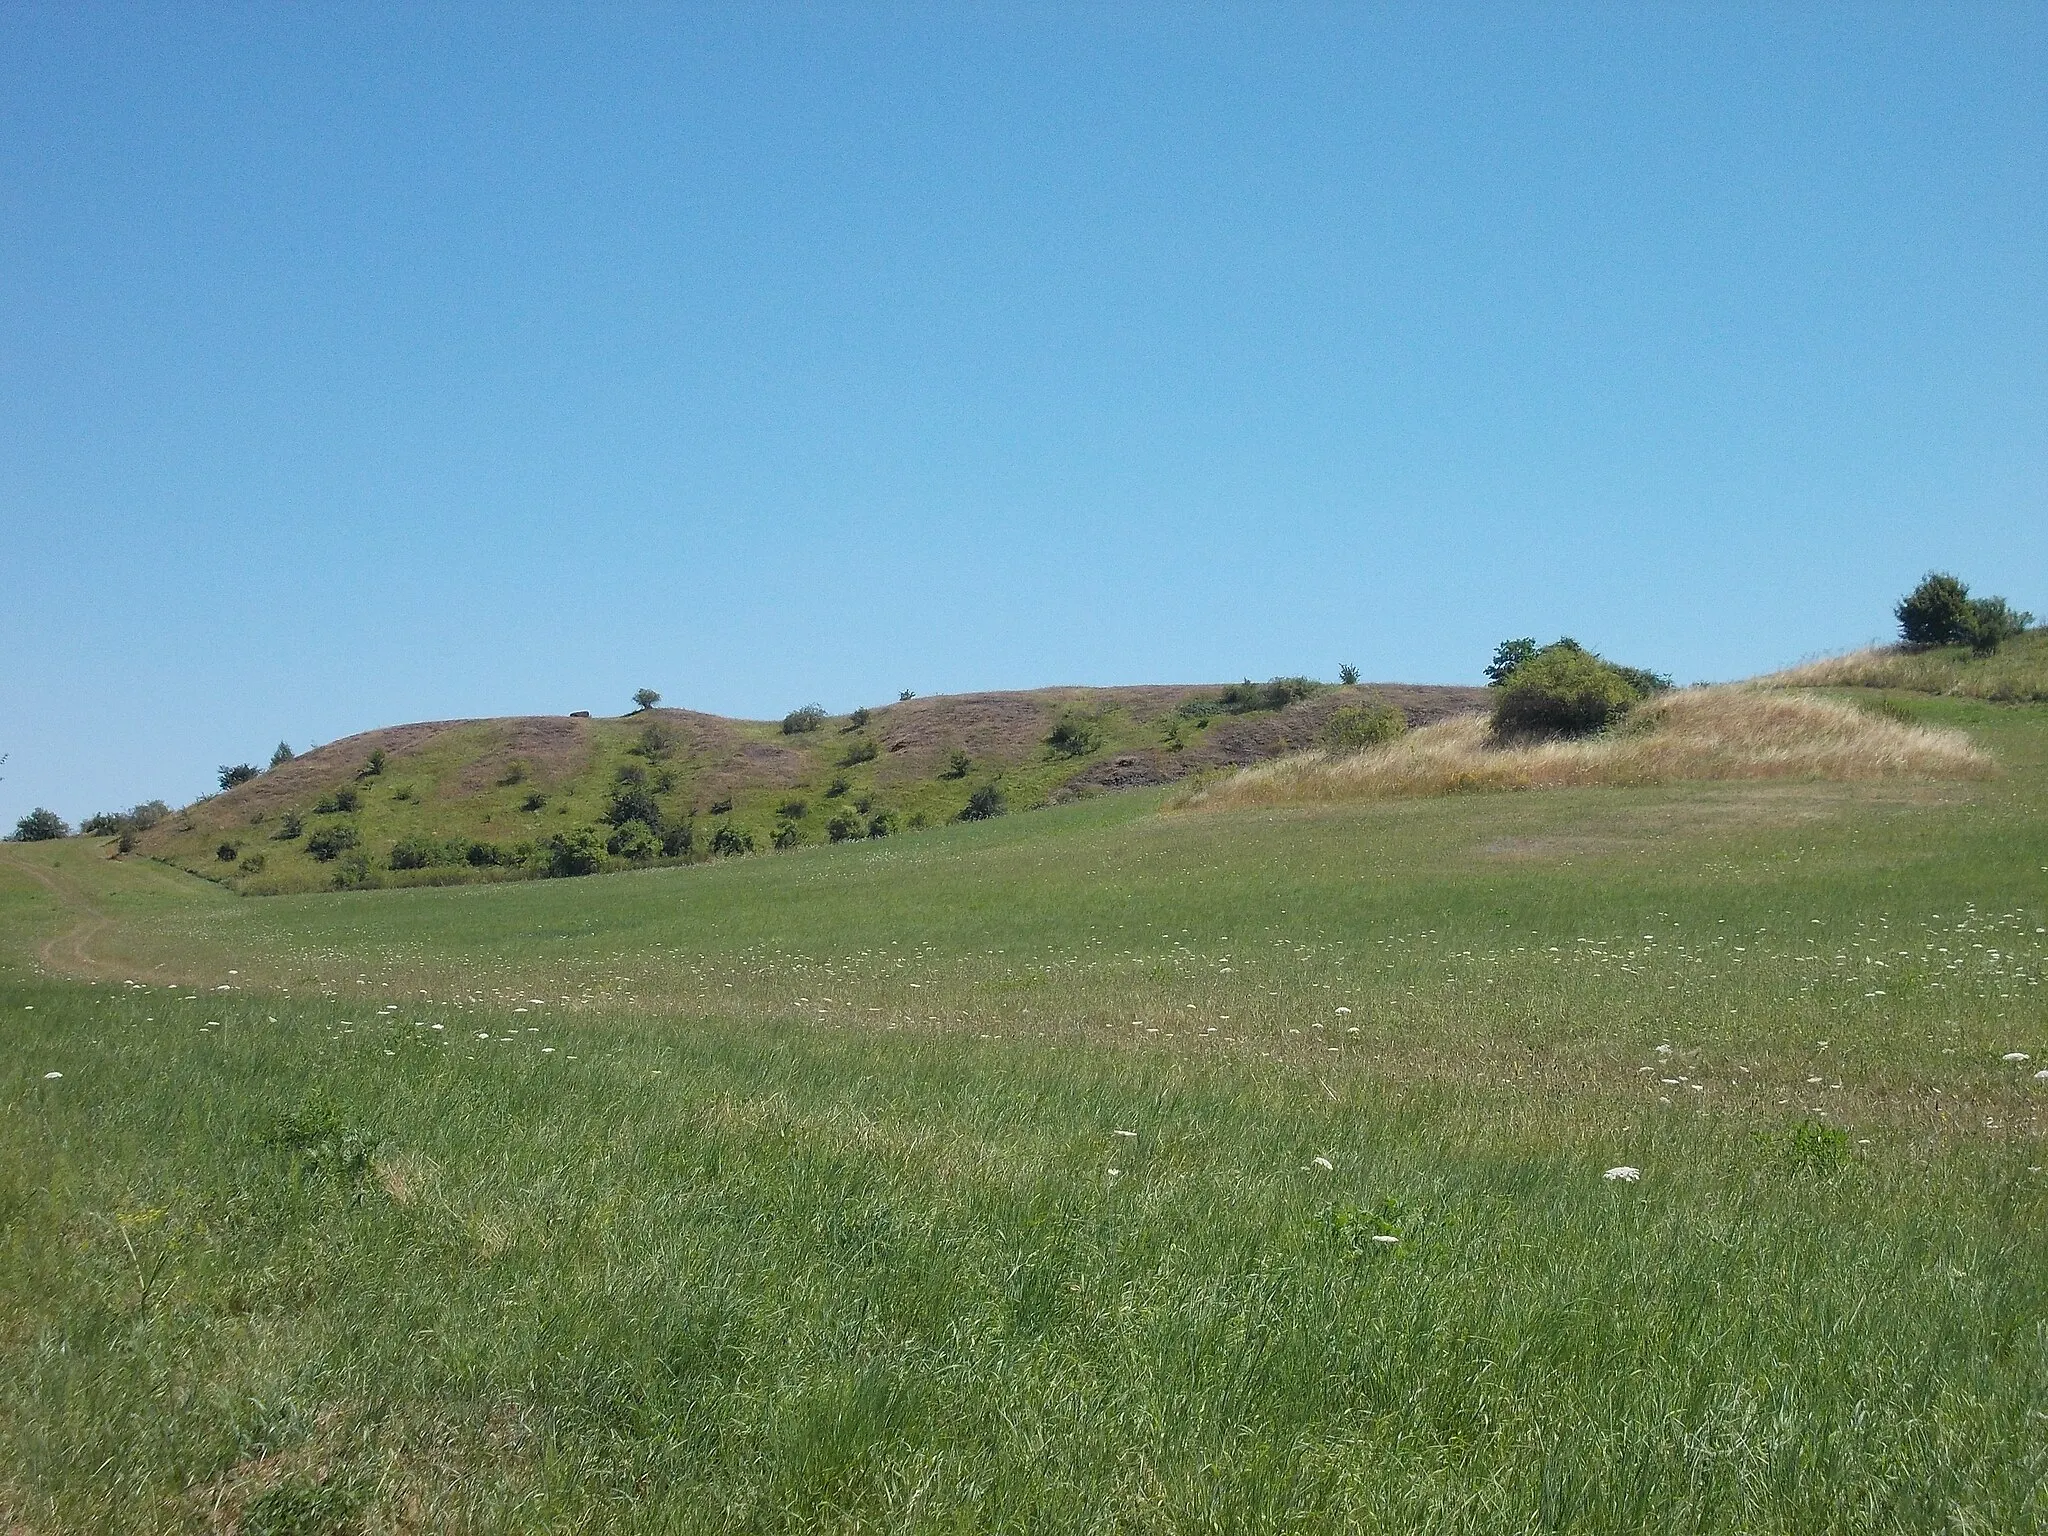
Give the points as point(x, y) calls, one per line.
point(227, 853)
point(845, 825)
point(645, 699)
point(655, 742)
point(858, 720)
point(792, 810)
point(424, 852)
point(840, 785)
point(680, 840)
point(339, 803)
point(798, 721)
point(237, 773)
point(534, 801)
point(957, 764)
point(484, 855)
point(1248, 697)
point(631, 802)
point(253, 864)
point(729, 841)
point(984, 803)
point(787, 835)
point(1347, 674)
point(515, 773)
point(862, 751)
point(1507, 656)
point(374, 765)
point(1562, 690)
point(633, 840)
point(1937, 612)
point(883, 824)
point(1355, 727)
point(282, 754)
point(1073, 736)
point(1992, 622)
point(331, 841)
point(292, 825)
point(139, 818)
point(577, 852)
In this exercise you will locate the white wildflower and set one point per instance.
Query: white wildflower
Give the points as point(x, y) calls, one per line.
point(1386, 1238)
point(1623, 1175)
point(1326, 1165)
point(51, 1076)
point(1343, 1010)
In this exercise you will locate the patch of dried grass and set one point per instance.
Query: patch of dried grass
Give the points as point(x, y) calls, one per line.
point(2017, 672)
point(1694, 734)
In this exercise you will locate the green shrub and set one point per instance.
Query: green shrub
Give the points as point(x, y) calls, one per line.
point(798, 721)
point(352, 873)
point(787, 835)
point(729, 841)
point(1073, 736)
point(1937, 612)
point(1347, 674)
point(331, 841)
point(1354, 727)
point(289, 828)
point(655, 741)
point(281, 754)
point(1249, 697)
point(984, 803)
point(862, 751)
point(957, 764)
point(515, 773)
point(227, 853)
point(484, 855)
point(139, 818)
point(906, 695)
point(339, 803)
point(424, 852)
point(840, 785)
point(858, 720)
point(845, 825)
point(576, 852)
point(1507, 656)
point(1992, 622)
point(402, 792)
point(374, 766)
point(645, 699)
point(127, 842)
point(253, 864)
point(534, 801)
point(792, 810)
point(633, 840)
point(882, 824)
point(630, 802)
point(1563, 690)
point(679, 840)
point(721, 807)
point(239, 773)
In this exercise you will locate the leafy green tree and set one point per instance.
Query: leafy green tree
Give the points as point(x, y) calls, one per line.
point(1073, 736)
point(957, 763)
point(798, 721)
point(645, 699)
point(238, 773)
point(1347, 674)
point(1937, 612)
point(331, 841)
point(40, 826)
point(1507, 656)
point(576, 852)
point(1992, 622)
point(282, 754)
point(1354, 727)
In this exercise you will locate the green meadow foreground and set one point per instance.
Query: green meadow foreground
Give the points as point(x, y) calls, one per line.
point(1114, 1168)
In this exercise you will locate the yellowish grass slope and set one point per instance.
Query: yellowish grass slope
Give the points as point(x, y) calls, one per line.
point(1698, 733)
point(2017, 671)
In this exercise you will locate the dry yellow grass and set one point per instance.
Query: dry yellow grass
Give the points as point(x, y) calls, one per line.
point(2016, 673)
point(1698, 733)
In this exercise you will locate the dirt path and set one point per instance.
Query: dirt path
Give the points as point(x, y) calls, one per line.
point(68, 952)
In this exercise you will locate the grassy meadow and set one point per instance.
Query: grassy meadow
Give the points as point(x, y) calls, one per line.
point(1118, 1168)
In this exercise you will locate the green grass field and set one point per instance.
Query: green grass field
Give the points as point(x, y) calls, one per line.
point(1103, 1170)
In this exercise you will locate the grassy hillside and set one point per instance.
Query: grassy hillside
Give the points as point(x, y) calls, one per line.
point(1101, 1170)
point(480, 799)
point(2017, 671)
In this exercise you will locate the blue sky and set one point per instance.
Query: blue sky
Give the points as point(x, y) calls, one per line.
point(361, 365)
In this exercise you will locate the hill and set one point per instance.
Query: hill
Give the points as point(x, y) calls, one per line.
point(463, 800)
point(2016, 672)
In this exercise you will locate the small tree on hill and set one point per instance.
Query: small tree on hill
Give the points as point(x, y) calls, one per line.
point(1507, 656)
point(798, 721)
point(283, 754)
point(239, 773)
point(645, 699)
point(985, 802)
point(1347, 674)
point(1937, 612)
point(1992, 622)
point(40, 826)
point(1563, 690)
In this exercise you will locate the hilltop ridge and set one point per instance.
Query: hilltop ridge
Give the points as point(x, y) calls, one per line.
point(513, 796)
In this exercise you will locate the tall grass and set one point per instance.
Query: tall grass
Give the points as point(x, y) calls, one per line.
point(2016, 672)
point(1696, 734)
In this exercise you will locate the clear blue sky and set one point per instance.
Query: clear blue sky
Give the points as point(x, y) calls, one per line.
point(361, 365)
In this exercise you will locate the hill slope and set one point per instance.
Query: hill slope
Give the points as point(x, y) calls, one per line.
point(504, 798)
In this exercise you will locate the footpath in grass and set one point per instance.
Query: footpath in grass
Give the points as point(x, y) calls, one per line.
point(1100, 1171)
